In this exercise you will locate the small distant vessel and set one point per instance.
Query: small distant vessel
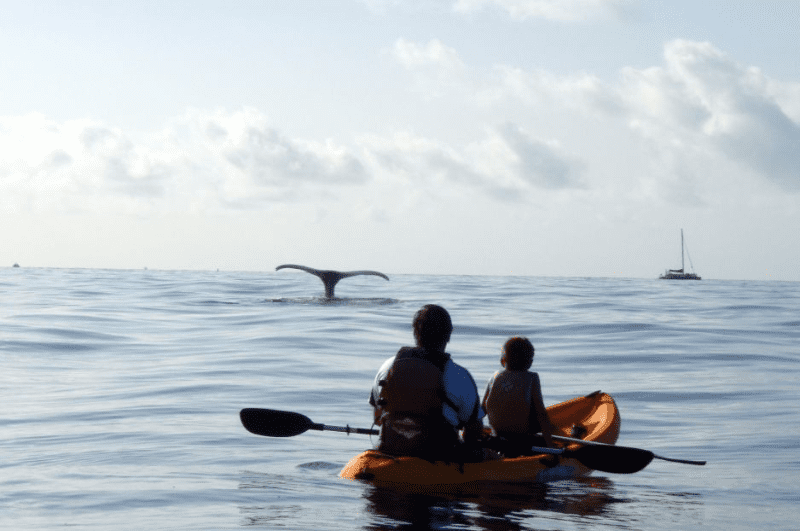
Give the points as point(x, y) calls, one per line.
point(680, 274)
point(15, 265)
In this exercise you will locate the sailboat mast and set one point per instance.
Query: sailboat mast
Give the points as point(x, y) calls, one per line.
point(682, 267)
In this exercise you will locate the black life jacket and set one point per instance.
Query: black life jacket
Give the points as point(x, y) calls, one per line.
point(411, 397)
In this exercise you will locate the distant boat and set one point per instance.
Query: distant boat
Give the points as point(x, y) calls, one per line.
point(679, 274)
point(15, 265)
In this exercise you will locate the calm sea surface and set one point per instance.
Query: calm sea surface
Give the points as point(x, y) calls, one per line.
point(120, 393)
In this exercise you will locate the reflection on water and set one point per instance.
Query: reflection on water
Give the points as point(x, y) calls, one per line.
point(336, 301)
point(489, 506)
point(270, 516)
point(281, 501)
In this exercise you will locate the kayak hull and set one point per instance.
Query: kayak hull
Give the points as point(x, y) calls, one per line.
point(597, 414)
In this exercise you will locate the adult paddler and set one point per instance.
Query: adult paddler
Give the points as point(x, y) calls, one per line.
point(422, 398)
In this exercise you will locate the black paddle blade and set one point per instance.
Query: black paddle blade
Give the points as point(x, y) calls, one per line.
point(273, 423)
point(612, 459)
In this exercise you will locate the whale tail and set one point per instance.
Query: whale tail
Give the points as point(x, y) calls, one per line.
point(330, 278)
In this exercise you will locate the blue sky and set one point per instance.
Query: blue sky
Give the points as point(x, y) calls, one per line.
point(521, 137)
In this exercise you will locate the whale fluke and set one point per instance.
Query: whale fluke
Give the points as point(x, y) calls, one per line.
point(330, 278)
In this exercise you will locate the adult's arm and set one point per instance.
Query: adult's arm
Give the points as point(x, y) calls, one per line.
point(377, 411)
point(462, 393)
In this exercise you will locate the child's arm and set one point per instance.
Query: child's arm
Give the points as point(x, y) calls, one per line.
point(537, 404)
point(486, 393)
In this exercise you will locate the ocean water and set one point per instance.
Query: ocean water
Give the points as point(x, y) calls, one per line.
point(120, 393)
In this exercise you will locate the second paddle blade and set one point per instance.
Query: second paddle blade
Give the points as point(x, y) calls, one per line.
point(273, 423)
point(613, 459)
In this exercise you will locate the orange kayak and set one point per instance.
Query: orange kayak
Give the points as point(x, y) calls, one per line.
point(596, 413)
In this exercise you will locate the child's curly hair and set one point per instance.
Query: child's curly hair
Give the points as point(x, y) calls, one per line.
point(517, 354)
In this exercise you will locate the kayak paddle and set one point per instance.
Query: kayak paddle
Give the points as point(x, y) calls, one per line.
point(273, 423)
point(600, 445)
point(612, 459)
point(605, 458)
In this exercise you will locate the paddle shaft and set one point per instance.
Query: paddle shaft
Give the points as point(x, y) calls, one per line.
point(344, 429)
point(362, 431)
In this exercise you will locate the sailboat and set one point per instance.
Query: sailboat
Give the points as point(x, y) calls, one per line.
point(679, 274)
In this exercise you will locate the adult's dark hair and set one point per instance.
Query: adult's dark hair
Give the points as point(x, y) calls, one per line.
point(518, 354)
point(432, 327)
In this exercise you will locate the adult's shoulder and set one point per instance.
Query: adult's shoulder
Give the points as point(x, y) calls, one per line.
point(454, 370)
point(386, 365)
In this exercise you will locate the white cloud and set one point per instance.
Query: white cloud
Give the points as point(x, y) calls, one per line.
point(199, 161)
point(787, 95)
point(380, 6)
point(508, 164)
point(219, 161)
point(433, 54)
point(44, 164)
point(702, 99)
point(435, 67)
point(582, 91)
point(696, 113)
point(697, 116)
point(562, 10)
point(541, 163)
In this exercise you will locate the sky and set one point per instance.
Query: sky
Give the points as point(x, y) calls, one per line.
point(565, 138)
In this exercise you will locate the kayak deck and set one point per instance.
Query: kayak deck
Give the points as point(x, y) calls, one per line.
point(596, 413)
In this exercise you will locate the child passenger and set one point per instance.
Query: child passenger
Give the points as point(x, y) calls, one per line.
point(513, 402)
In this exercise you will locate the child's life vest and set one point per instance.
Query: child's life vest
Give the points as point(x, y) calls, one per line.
point(508, 403)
